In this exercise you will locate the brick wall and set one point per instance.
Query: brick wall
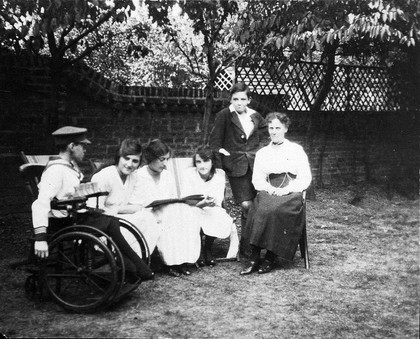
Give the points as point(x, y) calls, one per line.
point(353, 147)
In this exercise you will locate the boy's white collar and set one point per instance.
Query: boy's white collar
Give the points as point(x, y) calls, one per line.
point(249, 111)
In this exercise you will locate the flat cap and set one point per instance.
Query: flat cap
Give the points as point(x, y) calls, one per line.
point(68, 134)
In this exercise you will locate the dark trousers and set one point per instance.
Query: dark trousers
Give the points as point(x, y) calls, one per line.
point(111, 227)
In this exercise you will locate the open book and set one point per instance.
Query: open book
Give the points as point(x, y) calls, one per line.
point(190, 199)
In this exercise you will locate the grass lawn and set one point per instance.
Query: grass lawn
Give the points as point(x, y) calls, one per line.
point(362, 283)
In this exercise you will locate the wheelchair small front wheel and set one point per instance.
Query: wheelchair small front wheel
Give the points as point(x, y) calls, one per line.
point(80, 273)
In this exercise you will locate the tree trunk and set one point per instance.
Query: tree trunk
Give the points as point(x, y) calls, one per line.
point(322, 94)
point(53, 118)
point(208, 109)
point(315, 119)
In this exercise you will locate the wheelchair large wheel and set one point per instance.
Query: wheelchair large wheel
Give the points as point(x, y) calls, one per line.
point(135, 239)
point(105, 238)
point(81, 272)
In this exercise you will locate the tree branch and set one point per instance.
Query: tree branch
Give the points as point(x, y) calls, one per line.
point(93, 28)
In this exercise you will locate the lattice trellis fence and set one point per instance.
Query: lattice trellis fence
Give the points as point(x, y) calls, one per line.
point(295, 86)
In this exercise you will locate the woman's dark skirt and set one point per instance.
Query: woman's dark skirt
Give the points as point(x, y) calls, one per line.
point(275, 223)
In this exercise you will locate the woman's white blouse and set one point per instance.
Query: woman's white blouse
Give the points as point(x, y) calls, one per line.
point(148, 190)
point(110, 181)
point(289, 157)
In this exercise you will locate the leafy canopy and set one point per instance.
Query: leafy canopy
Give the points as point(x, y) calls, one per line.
point(212, 21)
point(304, 27)
point(60, 27)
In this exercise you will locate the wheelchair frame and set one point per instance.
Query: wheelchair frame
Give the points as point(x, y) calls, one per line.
point(85, 270)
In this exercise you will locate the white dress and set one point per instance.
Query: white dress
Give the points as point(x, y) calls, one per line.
point(179, 241)
point(120, 193)
point(214, 221)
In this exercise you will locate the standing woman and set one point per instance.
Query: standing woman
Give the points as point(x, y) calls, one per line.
point(119, 180)
point(204, 178)
point(281, 174)
point(179, 243)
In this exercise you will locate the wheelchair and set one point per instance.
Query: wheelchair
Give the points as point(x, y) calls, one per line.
point(84, 271)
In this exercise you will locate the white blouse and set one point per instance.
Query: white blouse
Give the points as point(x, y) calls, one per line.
point(288, 157)
point(148, 190)
point(120, 192)
point(214, 188)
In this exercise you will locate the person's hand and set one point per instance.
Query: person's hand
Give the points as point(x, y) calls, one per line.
point(210, 201)
point(281, 191)
point(41, 249)
point(207, 201)
point(224, 152)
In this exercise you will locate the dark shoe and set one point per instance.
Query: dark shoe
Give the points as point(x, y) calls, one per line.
point(211, 262)
point(253, 266)
point(174, 272)
point(184, 270)
point(132, 278)
point(200, 262)
point(266, 267)
point(149, 277)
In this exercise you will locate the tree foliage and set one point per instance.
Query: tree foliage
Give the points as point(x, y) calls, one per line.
point(213, 20)
point(139, 53)
point(209, 19)
point(67, 30)
point(332, 30)
point(349, 25)
point(64, 30)
point(298, 29)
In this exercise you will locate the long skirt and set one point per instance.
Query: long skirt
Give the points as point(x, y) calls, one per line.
point(180, 240)
point(214, 221)
point(145, 221)
point(276, 223)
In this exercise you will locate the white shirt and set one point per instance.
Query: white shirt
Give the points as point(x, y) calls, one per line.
point(288, 157)
point(245, 119)
point(147, 190)
point(58, 181)
point(214, 188)
point(120, 192)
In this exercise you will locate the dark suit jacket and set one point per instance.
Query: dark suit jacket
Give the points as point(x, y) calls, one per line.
point(228, 133)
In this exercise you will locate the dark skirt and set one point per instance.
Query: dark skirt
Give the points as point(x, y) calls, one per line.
point(276, 223)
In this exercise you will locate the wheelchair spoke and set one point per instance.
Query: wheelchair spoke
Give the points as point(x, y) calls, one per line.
point(81, 273)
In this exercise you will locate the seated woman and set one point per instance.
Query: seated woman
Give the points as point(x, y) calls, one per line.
point(119, 181)
point(60, 179)
point(204, 178)
point(179, 243)
point(281, 174)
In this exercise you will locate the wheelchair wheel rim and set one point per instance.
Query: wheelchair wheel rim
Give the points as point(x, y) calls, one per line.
point(81, 273)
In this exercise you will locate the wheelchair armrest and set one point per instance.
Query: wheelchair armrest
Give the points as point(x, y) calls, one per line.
point(96, 195)
point(63, 204)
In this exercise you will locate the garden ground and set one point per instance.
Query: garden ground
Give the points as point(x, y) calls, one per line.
point(362, 283)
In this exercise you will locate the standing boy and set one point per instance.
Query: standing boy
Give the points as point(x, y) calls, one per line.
point(236, 136)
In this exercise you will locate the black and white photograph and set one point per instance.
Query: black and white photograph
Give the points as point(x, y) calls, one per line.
point(209, 169)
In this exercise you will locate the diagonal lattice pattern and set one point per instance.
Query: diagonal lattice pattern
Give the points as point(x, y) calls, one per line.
point(295, 86)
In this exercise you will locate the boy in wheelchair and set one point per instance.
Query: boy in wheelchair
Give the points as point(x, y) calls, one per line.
point(59, 181)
